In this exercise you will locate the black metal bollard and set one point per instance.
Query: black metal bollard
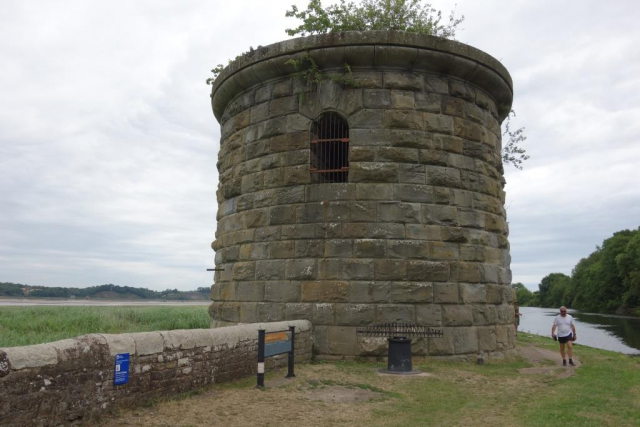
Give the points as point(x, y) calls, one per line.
point(399, 356)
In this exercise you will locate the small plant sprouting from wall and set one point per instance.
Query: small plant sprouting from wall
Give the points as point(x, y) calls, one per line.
point(216, 72)
point(307, 70)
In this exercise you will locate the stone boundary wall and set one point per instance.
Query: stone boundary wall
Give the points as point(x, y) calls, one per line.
point(71, 381)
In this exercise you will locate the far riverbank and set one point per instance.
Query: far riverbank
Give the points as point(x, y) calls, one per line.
point(28, 302)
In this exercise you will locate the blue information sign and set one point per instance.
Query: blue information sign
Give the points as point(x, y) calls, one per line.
point(121, 375)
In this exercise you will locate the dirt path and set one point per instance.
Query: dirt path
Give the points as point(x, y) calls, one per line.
point(546, 362)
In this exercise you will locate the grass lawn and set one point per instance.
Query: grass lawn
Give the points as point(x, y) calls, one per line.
point(34, 325)
point(604, 390)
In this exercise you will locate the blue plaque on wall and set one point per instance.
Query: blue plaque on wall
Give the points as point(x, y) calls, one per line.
point(121, 374)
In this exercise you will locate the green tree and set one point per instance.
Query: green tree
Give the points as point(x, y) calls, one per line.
point(523, 295)
point(628, 264)
point(400, 15)
point(553, 288)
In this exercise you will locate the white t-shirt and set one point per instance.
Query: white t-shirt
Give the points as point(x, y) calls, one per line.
point(563, 324)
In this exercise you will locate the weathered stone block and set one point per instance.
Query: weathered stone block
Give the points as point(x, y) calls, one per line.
point(302, 269)
point(260, 112)
point(297, 123)
point(386, 269)
point(386, 313)
point(428, 270)
point(297, 231)
point(244, 271)
point(494, 294)
point(386, 231)
point(321, 339)
point(322, 314)
point(342, 340)
point(443, 250)
point(405, 292)
point(309, 249)
point(283, 249)
point(282, 291)
point(310, 212)
point(374, 192)
point(338, 248)
point(270, 270)
point(376, 98)
point(407, 249)
point(412, 174)
point(484, 315)
point(252, 183)
point(330, 269)
point(467, 272)
point(403, 119)
point(362, 211)
point(429, 315)
point(366, 119)
point(442, 345)
point(270, 311)
point(406, 81)
point(355, 314)
point(369, 248)
point(472, 253)
point(423, 232)
point(360, 292)
point(354, 230)
point(402, 100)
point(324, 291)
point(430, 102)
point(282, 106)
point(229, 312)
point(336, 211)
point(439, 214)
point(297, 311)
point(399, 212)
point(438, 123)
point(289, 142)
point(457, 315)
point(250, 291)
point(330, 192)
point(249, 312)
point(473, 293)
point(228, 291)
point(353, 269)
point(296, 175)
point(362, 154)
point(398, 155)
point(373, 172)
point(465, 340)
point(413, 193)
point(445, 293)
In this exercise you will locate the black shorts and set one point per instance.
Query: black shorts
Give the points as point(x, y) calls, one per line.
point(563, 340)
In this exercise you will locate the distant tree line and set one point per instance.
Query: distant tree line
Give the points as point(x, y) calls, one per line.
point(8, 289)
point(607, 281)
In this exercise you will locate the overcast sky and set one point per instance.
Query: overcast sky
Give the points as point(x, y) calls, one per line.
point(108, 144)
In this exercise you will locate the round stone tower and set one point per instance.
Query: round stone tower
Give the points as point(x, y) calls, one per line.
point(361, 182)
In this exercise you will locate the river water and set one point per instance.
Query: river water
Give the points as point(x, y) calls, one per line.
point(615, 333)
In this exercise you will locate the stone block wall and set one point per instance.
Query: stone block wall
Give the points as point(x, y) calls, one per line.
point(417, 234)
point(71, 381)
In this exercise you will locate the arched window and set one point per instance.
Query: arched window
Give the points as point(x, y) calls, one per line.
point(330, 149)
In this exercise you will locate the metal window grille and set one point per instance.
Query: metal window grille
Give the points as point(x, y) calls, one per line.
point(330, 149)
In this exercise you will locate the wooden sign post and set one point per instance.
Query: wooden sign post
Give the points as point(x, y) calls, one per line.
point(273, 343)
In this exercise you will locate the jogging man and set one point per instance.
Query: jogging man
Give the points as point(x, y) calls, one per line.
point(566, 333)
